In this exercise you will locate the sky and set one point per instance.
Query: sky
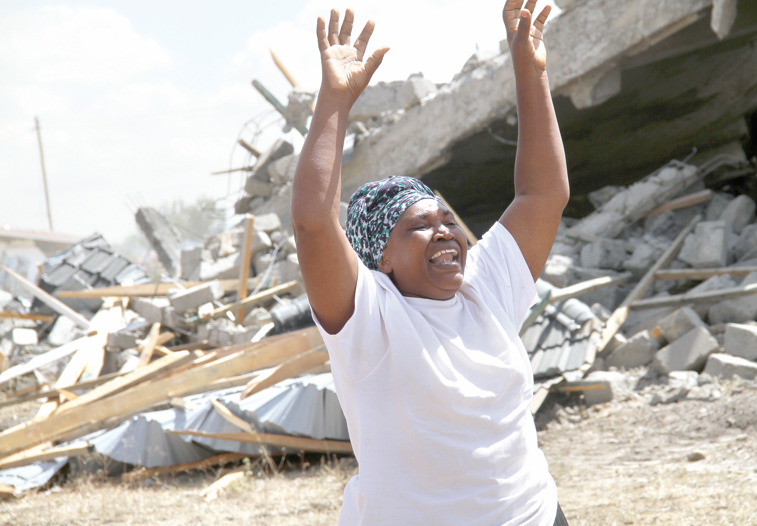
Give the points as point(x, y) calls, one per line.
point(139, 101)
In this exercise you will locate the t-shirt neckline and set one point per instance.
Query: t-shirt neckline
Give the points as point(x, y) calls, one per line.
point(426, 302)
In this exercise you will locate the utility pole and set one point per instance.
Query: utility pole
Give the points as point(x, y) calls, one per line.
point(44, 175)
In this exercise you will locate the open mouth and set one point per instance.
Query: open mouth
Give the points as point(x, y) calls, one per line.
point(447, 256)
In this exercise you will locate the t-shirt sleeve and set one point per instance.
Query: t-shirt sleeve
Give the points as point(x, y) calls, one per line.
point(497, 264)
point(361, 344)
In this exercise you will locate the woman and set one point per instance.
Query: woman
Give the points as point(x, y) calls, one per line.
point(422, 332)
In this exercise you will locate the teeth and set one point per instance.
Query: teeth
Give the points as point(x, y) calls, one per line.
point(445, 251)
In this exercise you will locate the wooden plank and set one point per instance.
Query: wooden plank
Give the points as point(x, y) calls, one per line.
point(225, 383)
point(54, 303)
point(257, 298)
point(683, 202)
point(9, 492)
point(258, 356)
point(117, 385)
point(40, 392)
point(587, 286)
point(149, 345)
point(284, 441)
point(150, 289)
point(42, 359)
point(289, 369)
point(217, 460)
point(469, 235)
point(619, 316)
point(25, 458)
point(219, 486)
point(701, 274)
point(244, 268)
point(684, 299)
point(111, 321)
point(231, 418)
point(20, 316)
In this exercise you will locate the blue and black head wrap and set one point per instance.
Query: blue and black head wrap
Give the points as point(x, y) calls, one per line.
point(374, 210)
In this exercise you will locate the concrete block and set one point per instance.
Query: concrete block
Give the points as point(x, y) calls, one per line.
point(599, 197)
point(279, 149)
point(257, 188)
point(687, 353)
point(739, 212)
point(267, 222)
point(638, 350)
point(707, 246)
point(22, 336)
point(747, 244)
point(151, 309)
point(726, 366)
point(680, 383)
point(191, 260)
point(615, 386)
point(184, 299)
point(741, 341)
point(642, 259)
point(261, 261)
point(291, 269)
point(679, 322)
point(661, 225)
point(717, 204)
point(605, 253)
point(737, 310)
point(282, 170)
point(299, 108)
point(222, 268)
point(64, 331)
point(558, 271)
point(714, 283)
point(122, 340)
point(390, 97)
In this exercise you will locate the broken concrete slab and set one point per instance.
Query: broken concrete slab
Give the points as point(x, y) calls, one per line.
point(638, 350)
point(64, 331)
point(680, 383)
point(267, 223)
point(679, 322)
point(707, 246)
point(558, 271)
point(641, 260)
point(184, 299)
point(604, 253)
point(687, 353)
point(222, 268)
point(279, 149)
point(122, 340)
point(615, 386)
point(737, 310)
point(723, 281)
point(191, 261)
point(727, 366)
point(741, 341)
point(151, 309)
point(739, 212)
point(718, 202)
point(282, 170)
point(163, 237)
point(389, 97)
point(747, 244)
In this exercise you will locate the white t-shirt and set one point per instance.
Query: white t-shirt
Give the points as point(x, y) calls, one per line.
point(436, 395)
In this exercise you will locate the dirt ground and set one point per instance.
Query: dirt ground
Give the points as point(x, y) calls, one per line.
point(687, 463)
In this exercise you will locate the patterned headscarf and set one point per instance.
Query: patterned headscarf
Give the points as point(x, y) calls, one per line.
point(374, 210)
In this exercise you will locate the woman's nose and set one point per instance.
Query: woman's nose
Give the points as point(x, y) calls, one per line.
point(442, 233)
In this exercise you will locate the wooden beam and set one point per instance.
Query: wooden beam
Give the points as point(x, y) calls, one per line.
point(684, 299)
point(587, 286)
point(42, 359)
point(701, 274)
point(258, 356)
point(149, 345)
point(289, 369)
point(231, 418)
point(472, 239)
point(283, 441)
point(244, 268)
point(40, 392)
point(283, 69)
point(219, 486)
point(250, 148)
point(25, 458)
point(54, 303)
point(619, 316)
point(683, 202)
point(150, 289)
point(257, 298)
point(225, 383)
point(217, 460)
point(20, 316)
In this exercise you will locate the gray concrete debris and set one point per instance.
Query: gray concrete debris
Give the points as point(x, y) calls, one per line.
point(261, 261)
point(739, 212)
point(289, 246)
point(389, 97)
point(222, 332)
point(191, 261)
point(279, 149)
point(299, 108)
point(707, 246)
point(23, 336)
point(680, 384)
point(163, 237)
point(151, 309)
point(747, 244)
point(723, 16)
point(688, 353)
point(615, 387)
point(604, 253)
point(258, 188)
point(737, 310)
point(222, 268)
point(638, 350)
point(642, 259)
point(727, 366)
point(122, 340)
point(718, 203)
point(267, 223)
point(184, 299)
point(679, 322)
point(598, 198)
point(741, 341)
point(64, 331)
point(557, 271)
point(662, 225)
point(281, 171)
point(723, 281)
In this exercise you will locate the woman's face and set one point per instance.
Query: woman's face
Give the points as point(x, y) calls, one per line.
point(426, 251)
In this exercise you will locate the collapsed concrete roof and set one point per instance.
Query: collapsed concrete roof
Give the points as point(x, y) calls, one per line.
point(635, 83)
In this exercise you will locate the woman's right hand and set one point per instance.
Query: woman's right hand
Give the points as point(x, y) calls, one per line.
point(345, 75)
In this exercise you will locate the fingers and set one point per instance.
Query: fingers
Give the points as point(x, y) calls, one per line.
point(538, 29)
point(362, 41)
point(531, 5)
point(344, 34)
point(511, 15)
point(524, 26)
point(320, 32)
point(334, 27)
point(374, 61)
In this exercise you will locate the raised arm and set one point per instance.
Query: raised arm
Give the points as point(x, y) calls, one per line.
point(541, 175)
point(329, 265)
